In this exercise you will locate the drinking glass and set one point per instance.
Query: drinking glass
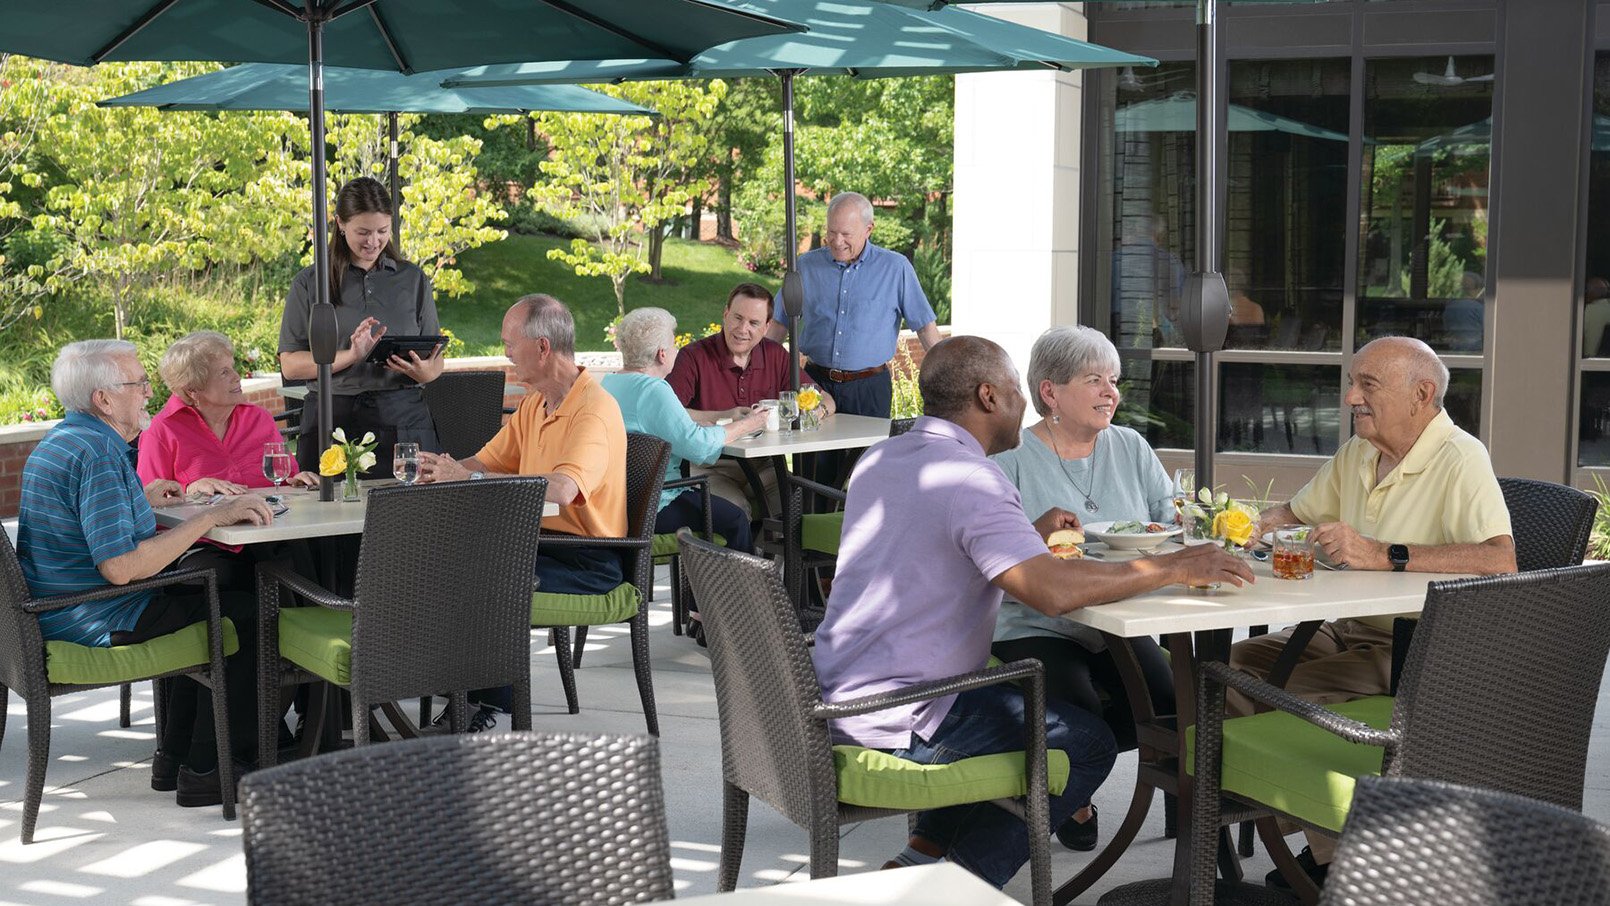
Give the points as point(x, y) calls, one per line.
point(405, 463)
point(1293, 556)
point(1184, 487)
point(787, 411)
point(277, 464)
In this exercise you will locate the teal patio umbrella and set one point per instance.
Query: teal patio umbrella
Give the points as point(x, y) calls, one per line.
point(282, 86)
point(404, 36)
point(1178, 114)
point(859, 38)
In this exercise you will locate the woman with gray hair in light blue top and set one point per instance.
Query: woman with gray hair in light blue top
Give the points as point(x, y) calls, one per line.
point(1077, 459)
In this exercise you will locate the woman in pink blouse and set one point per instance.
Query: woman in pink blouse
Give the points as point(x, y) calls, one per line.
point(208, 438)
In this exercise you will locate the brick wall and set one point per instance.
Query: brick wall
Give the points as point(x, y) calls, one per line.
point(12, 457)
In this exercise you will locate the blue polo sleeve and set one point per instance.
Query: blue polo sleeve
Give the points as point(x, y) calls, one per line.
point(663, 415)
point(105, 513)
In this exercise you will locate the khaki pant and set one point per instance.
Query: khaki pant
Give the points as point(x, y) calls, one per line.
point(1345, 660)
point(727, 481)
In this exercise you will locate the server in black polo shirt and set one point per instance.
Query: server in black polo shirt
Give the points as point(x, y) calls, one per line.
point(375, 292)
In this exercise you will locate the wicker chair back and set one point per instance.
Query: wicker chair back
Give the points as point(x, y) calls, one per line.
point(467, 407)
point(531, 818)
point(645, 476)
point(1551, 522)
point(1522, 656)
point(22, 648)
point(1424, 843)
point(765, 683)
point(443, 595)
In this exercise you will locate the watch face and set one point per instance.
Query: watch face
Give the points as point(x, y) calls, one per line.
point(1398, 553)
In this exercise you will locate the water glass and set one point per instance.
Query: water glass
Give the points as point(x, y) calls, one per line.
point(1184, 488)
point(405, 463)
point(277, 464)
point(1293, 556)
point(787, 411)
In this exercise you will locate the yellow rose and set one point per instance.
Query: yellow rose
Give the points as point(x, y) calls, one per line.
point(809, 399)
point(333, 462)
point(1234, 526)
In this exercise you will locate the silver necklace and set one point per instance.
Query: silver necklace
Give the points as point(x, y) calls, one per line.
point(1086, 493)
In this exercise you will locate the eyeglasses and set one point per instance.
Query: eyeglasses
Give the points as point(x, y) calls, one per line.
point(144, 384)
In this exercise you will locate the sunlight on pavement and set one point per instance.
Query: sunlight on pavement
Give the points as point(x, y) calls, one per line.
point(141, 860)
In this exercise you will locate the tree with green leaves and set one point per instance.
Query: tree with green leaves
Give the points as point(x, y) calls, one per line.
point(623, 177)
point(21, 108)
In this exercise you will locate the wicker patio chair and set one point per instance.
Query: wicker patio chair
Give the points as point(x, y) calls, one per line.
point(38, 670)
point(668, 552)
point(1425, 843)
point(440, 604)
point(774, 729)
point(541, 819)
point(467, 407)
point(1498, 692)
point(628, 601)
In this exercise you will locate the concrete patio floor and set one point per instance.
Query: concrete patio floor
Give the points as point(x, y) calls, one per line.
point(106, 837)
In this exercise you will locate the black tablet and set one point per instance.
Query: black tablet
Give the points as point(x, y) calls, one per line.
point(388, 346)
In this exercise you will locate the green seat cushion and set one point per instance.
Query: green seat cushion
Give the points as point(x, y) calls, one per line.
point(1294, 766)
point(617, 606)
point(821, 531)
point(318, 640)
point(666, 545)
point(877, 779)
point(73, 664)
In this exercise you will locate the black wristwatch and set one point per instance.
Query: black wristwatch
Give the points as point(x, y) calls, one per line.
point(1399, 555)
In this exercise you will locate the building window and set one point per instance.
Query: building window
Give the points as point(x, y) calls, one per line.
point(1593, 448)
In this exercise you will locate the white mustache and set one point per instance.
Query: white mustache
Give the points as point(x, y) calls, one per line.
point(1363, 410)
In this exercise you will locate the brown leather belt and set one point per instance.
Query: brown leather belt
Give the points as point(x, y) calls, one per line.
point(840, 377)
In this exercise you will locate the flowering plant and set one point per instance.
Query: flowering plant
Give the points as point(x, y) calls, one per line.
point(1219, 517)
point(348, 458)
point(809, 398)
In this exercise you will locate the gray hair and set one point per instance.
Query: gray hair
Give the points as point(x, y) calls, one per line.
point(188, 363)
point(1420, 363)
point(548, 318)
point(87, 366)
point(1064, 353)
point(642, 334)
point(854, 200)
point(953, 370)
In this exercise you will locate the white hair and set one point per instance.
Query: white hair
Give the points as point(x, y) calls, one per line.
point(546, 318)
point(642, 334)
point(1064, 353)
point(1420, 363)
point(188, 364)
point(856, 201)
point(87, 366)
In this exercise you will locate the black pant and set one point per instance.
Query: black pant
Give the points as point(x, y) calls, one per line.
point(188, 731)
point(872, 396)
point(393, 415)
point(1075, 674)
point(686, 510)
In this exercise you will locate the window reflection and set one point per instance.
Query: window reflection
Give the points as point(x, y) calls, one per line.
point(1428, 149)
point(1594, 422)
point(1279, 408)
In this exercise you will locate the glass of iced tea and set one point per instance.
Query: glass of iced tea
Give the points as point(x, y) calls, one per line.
point(1293, 556)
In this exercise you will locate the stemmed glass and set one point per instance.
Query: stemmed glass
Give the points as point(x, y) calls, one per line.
point(787, 411)
point(405, 463)
point(277, 464)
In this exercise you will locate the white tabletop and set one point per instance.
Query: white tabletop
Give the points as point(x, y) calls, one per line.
point(1329, 595)
point(299, 391)
point(926, 885)
point(309, 517)
point(838, 432)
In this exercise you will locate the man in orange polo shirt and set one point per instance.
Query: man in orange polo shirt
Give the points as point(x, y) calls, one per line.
point(568, 429)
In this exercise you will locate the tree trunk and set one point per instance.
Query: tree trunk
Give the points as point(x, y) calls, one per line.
point(620, 293)
point(530, 133)
point(696, 222)
point(656, 250)
point(724, 205)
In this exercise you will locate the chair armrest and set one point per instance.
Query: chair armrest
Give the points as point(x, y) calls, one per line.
point(1318, 715)
point(694, 482)
point(950, 685)
point(508, 410)
point(304, 586)
point(817, 488)
point(58, 602)
point(551, 541)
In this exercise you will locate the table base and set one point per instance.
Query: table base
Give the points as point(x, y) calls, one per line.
point(1225, 893)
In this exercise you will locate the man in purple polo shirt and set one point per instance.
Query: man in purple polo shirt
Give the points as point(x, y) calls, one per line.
point(934, 532)
point(725, 375)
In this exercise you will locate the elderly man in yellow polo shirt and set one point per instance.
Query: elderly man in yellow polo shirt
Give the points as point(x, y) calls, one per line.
point(1410, 491)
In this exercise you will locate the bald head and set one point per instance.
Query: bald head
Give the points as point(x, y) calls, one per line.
point(1395, 387)
point(1409, 360)
point(954, 369)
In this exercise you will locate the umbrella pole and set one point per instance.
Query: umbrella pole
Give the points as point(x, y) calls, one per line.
point(395, 181)
point(323, 335)
point(790, 228)
point(1209, 288)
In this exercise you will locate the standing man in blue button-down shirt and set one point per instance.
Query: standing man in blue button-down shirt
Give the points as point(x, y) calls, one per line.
point(856, 297)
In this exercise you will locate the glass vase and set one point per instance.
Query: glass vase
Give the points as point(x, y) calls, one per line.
point(349, 488)
point(810, 421)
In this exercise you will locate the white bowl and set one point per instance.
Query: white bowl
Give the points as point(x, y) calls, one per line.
point(1097, 531)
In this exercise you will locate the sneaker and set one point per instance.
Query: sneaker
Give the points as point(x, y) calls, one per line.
point(199, 790)
point(1079, 836)
point(1305, 860)
point(483, 719)
point(164, 772)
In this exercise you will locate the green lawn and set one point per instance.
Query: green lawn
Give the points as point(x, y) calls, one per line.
point(698, 278)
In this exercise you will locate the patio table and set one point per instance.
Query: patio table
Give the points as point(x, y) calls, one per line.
point(1197, 626)
point(924, 885)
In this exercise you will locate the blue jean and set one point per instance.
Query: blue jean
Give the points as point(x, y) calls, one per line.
point(980, 837)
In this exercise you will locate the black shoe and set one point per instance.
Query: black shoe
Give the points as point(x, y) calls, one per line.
point(1305, 860)
point(164, 772)
point(1079, 837)
point(201, 790)
point(483, 719)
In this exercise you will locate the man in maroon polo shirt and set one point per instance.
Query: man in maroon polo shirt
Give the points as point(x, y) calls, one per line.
point(724, 375)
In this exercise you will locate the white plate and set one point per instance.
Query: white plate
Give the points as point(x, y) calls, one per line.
point(1097, 531)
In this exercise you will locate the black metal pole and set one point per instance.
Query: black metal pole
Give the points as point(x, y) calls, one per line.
point(1208, 252)
point(396, 183)
point(321, 325)
point(790, 228)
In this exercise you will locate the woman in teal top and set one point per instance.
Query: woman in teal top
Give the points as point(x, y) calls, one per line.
point(1077, 459)
point(646, 339)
